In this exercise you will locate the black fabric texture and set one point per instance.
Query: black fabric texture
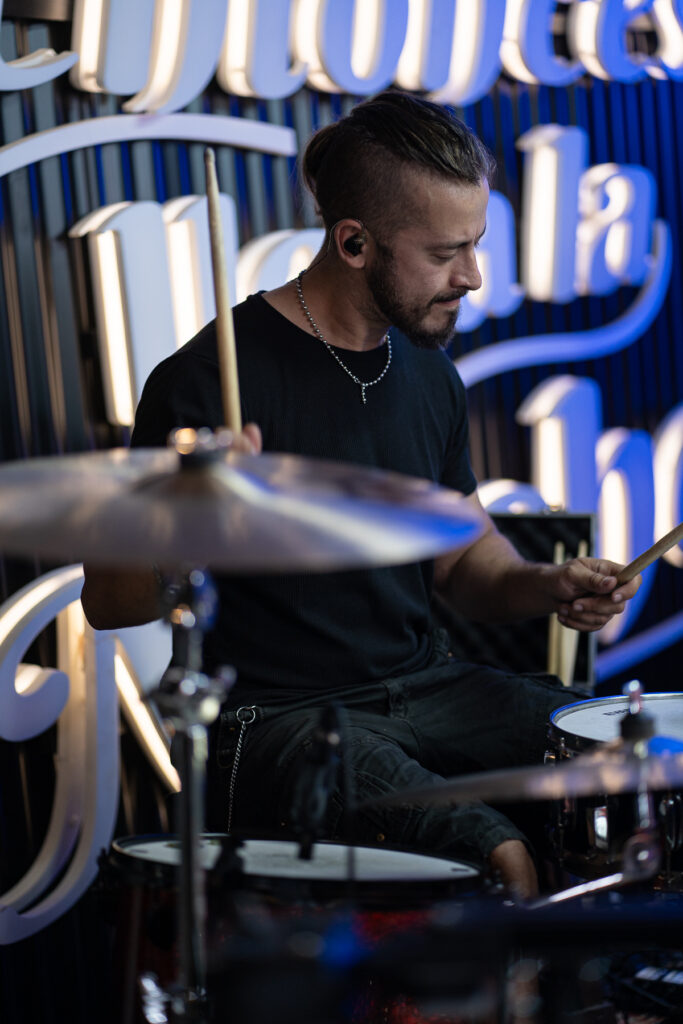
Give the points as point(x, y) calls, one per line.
point(291, 633)
point(448, 719)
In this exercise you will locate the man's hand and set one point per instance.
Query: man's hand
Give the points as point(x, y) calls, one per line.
point(249, 442)
point(489, 581)
point(587, 594)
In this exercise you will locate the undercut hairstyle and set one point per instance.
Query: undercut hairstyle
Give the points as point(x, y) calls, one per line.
point(357, 166)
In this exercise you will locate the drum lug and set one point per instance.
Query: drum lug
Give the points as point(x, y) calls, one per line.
point(671, 812)
point(600, 828)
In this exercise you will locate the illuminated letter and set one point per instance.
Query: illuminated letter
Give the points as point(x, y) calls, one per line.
point(626, 512)
point(255, 57)
point(266, 262)
point(527, 49)
point(509, 496)
point(565, 415)
point(667, 18)
point(153, 283)
point(189, 256)
point(132, 294)
point(113, 40)
point(86, 763)
point(34, 69)
point(186, 42)
point(596, 30)
point(451, 48)
point(350, 46)
point(668, 470)
point(617, 207)
point(499, 295)
point(554, 161)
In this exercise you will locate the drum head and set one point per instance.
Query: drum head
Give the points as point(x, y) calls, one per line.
point(330, 862)
point(155, 852)
point(268, 863)
point(598, 721)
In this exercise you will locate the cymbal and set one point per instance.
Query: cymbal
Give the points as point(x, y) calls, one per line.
point(238, 513)
point(612, 770)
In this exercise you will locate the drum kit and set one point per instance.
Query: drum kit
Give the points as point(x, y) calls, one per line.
point(284, 513)
point(614, 765)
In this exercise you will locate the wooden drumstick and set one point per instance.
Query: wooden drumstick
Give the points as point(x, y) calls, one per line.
point(553, 623)
point(569, 638)
point(225, 330)
point(651, 555)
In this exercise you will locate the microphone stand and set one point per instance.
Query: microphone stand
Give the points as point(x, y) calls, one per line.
point(317, 781)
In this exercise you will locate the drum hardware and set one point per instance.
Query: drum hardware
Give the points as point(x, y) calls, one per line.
point(588, 831)
point(613, 770)
point(258, 513)
point(636, 725)
point(190, 700)
point(640, 857)
point(317, 781)
point(282, 922)
point(634, 761)
point(671, 816)
point(641, 853)
point(265, 513)
point(642, 763)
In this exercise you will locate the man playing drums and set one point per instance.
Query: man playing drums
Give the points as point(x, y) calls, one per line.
point(346, 363)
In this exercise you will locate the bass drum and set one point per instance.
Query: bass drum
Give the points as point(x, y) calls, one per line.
point(277, 924)
point(588, 833)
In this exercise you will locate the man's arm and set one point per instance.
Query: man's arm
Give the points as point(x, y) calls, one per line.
point(114, 598)
point(490, 581)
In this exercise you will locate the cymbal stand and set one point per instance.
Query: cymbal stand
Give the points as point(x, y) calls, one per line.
point(640, 860)
point(191, 701)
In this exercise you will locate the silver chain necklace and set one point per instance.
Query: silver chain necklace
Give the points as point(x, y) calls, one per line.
point(363, 385)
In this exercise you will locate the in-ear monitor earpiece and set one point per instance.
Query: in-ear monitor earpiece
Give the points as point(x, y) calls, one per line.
point(354, 244)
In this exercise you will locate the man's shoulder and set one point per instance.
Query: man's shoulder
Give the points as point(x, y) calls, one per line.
point(431, 364)
point(255, 322)
point(244, 316)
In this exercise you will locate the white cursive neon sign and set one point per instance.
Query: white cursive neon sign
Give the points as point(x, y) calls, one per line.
point(164, 52)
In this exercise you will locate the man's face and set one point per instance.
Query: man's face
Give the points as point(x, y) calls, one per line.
point(417, 277)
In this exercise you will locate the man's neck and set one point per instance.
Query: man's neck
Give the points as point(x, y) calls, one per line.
point(337, 302)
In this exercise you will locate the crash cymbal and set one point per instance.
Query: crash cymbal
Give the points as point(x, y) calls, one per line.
point(237, 513)
point(612, 770)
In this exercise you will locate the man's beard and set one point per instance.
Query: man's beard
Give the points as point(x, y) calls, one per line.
point(409, 318)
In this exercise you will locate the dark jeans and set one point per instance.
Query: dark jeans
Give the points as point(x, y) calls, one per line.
point(447, 719)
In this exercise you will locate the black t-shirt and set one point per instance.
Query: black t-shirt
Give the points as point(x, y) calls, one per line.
point(320, 631)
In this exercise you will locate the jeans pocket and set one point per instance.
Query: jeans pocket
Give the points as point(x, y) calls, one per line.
point(231, 734)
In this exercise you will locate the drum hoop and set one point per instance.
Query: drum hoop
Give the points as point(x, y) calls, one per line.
point(123, 856)
point(582, 743)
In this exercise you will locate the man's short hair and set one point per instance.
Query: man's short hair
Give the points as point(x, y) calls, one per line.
point(356, 166)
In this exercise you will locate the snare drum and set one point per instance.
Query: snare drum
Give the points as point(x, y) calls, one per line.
point(588, 833)
point(392, 891)
point(273, 867)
